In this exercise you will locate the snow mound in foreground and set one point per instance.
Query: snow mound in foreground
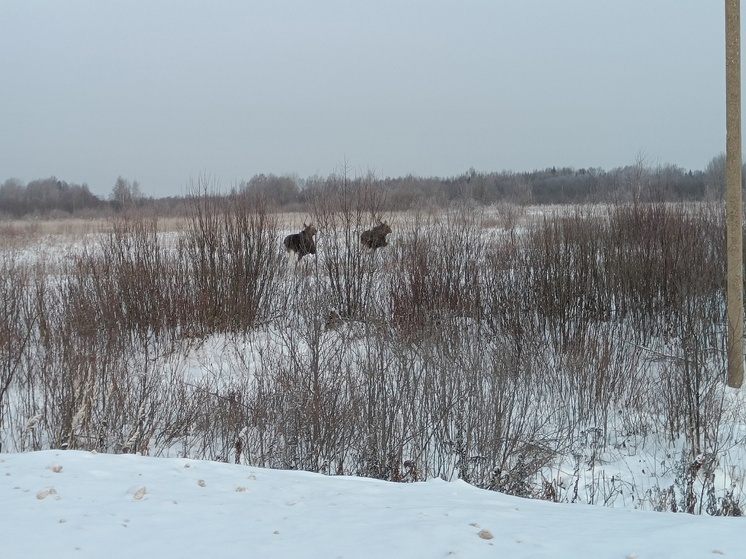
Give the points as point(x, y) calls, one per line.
point(76, 504)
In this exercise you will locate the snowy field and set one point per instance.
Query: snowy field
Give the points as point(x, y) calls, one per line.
point(469, 388)
point(76, 504)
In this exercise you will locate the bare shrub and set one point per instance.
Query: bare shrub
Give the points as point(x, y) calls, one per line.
point(300, 410)
point(567, 276)
point(232, 256)
point(662, 259)
point(392, 433)
point(488, 404)
point(18, 319)
point(436, 275)
point(343, 209)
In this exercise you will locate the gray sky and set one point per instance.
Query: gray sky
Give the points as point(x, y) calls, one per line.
point(162, 92)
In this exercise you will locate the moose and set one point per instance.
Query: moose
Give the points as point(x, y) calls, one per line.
point(301, 243)
point(376, 237)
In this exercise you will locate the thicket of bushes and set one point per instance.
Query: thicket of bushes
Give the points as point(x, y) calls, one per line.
point(471, 346)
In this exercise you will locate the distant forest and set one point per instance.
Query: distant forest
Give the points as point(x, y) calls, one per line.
point(54, 198)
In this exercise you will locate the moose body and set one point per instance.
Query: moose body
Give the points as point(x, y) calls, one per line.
point(301, 243)
point(376, 237)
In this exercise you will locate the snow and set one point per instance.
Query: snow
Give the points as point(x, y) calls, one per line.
point(78, 504)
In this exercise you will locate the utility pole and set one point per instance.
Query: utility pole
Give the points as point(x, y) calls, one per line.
point(734, 196)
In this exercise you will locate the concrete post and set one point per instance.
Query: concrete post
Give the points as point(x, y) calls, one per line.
point(734, 202)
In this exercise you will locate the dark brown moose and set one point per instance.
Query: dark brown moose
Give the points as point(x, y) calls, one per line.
point(301, 243)
point(376, 237)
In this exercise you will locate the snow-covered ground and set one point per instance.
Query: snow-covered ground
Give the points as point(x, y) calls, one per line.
point(62, 504)
point(75, 504)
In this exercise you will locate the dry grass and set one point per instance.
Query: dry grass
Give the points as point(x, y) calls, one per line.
point(21, 233)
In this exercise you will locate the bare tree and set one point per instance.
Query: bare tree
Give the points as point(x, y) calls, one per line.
point(125, 194)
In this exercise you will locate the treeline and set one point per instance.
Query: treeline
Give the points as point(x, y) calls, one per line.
point(548, 186)
point(47, 197)
point(638, 182)
point(54, 198)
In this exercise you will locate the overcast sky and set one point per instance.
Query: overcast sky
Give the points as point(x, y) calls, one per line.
point(162, 92)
